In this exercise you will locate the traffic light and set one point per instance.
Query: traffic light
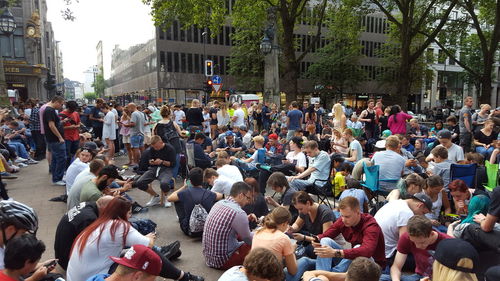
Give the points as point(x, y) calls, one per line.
point(442, 93)
point(209, 68)
point(50, 83)
point(208, 86)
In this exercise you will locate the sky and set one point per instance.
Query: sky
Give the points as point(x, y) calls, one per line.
point(123, 22)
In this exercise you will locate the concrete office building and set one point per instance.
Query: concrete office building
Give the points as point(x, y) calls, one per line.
point(30, 53)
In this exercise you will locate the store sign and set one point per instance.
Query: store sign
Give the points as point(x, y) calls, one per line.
point(18, 85)
point(23, 70)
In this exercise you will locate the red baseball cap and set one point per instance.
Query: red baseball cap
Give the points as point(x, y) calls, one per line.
point(273, 136)
point(141, 258)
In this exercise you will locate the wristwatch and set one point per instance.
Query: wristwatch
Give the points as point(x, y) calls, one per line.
point(338, 254)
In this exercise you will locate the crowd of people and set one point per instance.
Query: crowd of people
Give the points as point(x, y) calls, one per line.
point(257, 189)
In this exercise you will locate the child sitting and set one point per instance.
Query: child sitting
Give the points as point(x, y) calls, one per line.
point(355, 189)
point(441, 165)
point(339, 179)
point(258, 157)
point(434, 189)
point(481, 176)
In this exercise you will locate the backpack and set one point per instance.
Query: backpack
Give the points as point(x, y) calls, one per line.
point(169, 135)
point(197, 218)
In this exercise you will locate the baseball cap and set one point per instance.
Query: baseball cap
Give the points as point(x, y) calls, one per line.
point(386, 134)
point(380, 144)
point(229, 134)
point(111, 171)
point(450, 251)
point(424, 199)
point(151, 108)
point(444, 134)
point(90, 145)
point(273, 136)
point(141, 258)
point(243, 128)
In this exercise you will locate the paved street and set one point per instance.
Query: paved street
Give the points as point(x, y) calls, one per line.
point(34, 188)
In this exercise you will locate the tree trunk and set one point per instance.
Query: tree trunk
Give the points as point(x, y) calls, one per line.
point(290, 70)
point(403, 83)
point(485, 93)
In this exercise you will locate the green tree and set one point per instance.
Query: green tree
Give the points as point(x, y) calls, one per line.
point(90, 96)
point(214, 14)
point(99, 84)
point(336, 65)
point(410, 18)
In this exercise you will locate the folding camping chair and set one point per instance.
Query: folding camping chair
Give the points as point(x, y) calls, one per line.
point(467, 173)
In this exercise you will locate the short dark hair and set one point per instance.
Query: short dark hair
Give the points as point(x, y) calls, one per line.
point(337, 158)
point(262, 263)
point(71, 105)
point(302, 197)
point(57, 98)
point(196, 176)
point(363, 269)
point(440, 151)
point(345, 167)
point(21, 249)
point(239, 188)
point(434, 180)
point(451, 119)
point(298, 141)
point(199, 136)
point(278, 179)
point(419, 226)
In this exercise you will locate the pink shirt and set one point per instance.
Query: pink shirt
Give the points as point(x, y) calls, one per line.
point(277, 242)
point(398, 126)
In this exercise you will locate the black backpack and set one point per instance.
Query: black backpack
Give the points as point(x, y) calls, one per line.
point(169, 135)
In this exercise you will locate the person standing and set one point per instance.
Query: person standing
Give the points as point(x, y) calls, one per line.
point(55, 141)
point(71, 122)
point(465, 125)
point(40, 145)
point(194, 115)
point(294, 119)
point(370, 118)
point(96, 116)
point(238, 118)
point(136, 125)
point(109, 130)
point(213, 119)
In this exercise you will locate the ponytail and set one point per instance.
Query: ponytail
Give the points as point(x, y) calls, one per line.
point(277, 216)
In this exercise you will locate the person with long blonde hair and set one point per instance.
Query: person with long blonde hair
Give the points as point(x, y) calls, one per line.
point(222, 115)
point(455, 260)
point(339, 119)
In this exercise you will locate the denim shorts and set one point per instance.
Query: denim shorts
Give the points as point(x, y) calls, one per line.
point(137, 141)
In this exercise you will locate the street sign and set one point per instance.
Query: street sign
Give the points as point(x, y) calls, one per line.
point(217, 79)
point(217, 86)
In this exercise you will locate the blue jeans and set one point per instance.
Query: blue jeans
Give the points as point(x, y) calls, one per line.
point(341, 265)
point(300, 184)
point(413, 277)
point(303, 264)
point(485, 152)
point(58, 163)
point(71, 148)
point(137, 141)
point(19, 148)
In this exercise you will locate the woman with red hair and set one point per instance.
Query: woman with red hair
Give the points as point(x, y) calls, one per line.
point(461, 195)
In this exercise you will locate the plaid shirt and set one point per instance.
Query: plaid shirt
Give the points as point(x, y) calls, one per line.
point(276, 149)
point(35, 119)
point(219, 236)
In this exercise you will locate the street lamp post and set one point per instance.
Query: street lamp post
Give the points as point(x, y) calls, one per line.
point(7, 27)
point(269, 47)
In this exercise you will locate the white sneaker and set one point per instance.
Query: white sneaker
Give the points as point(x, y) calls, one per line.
point(155, 200)
point(16, 167)
point(22, 165)
point(31, 161)
point(60, 183)
point(167, 204)
point(20, 159)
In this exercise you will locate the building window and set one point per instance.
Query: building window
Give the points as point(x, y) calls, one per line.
point(170, 66)
point(5, 47)
point(228, 36)
point(182, 32)
point(189, 32)
point(197, 63)
point(175, 27)
point(195, 34)
point(221, 36)
point(441, 57)
point(190, 63)
point(176, 62)
point(168, 33)
point(222, 66)
point(160, 33)
point(162, 60)
point(183, 62)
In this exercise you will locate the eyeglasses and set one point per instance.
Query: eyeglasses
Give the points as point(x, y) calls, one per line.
point(249, 198)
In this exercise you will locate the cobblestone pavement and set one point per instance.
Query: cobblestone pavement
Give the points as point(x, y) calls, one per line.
point(34, 187)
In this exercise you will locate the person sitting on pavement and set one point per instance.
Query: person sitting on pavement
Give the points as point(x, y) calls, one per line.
point(224, 167)
point(99, 186)
point(139, 263)
point(226, 235)
point(355, 189)
point(418, 131)
point(393, 219)
point(82, 178)
point(161, 161)
point(434, 188)
point(319, 168)
point(201, 159)
point(259, 206)
point(361, 269)
point(190, 195)
point(230, 143)
point(455, 152)
point(219, 183)
point(83, 158)
point(461, 195)
point(16, 219)
point(74, 222)
point(279, 184)
point(407, 187)
point(258, 157)
point(272, 236)
point(391, 164)
point(419, 241)
point(108, 236)
point(22, 255)
point(259, 264)
point(246, 136)
point(441, 165)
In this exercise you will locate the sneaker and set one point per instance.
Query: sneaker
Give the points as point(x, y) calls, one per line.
point(191, 277)
point(176, 255)
point(20, 159)
point(59, 183)
point(31, 162)
point(6, 175)
point(62, 198)
point(155, 200)
point(136, 208)
point(167, 204)
point(170, 250)
point(22, 165)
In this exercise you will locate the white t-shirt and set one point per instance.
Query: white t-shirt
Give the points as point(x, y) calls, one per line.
point(73, 171)
point(298, 159)
point(230, 171)
point(247, 139)
point(109, 127)
point(179, 116)
point(95, 259)
point(390, 218)
point(223, 185)
point(455, 153)
point(240, 121)
point(74, 193)
point(355, 145)
point(233, 274)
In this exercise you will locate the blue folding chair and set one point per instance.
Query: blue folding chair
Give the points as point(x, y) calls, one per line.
point(372, 181)
point(467, 173)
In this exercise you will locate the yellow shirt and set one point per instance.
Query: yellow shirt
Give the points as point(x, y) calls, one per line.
point(338, 183)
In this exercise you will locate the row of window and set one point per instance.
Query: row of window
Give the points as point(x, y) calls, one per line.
point(371, 49)
point(176, 32)
point(191, 63)
point(375, 24)
point(303, 41)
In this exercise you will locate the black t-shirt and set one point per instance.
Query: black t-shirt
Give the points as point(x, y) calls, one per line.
point(97, 113)
point(194, 117)
point(70, 225)
point(167, 153)
point(482, 138)
point(190, 197)
point(50, 115)
point(324, 215)
point(258, 207)
point(213, 112)
point(494, 208)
